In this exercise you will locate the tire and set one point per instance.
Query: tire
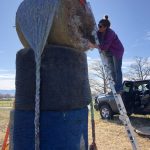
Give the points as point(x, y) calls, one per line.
point(106, 112)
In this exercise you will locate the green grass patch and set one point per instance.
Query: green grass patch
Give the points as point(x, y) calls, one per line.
point(6, 103)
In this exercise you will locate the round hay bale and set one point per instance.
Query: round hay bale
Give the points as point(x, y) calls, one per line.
point(72, 26)
point(58, 130)
point(64, 79)
point(11, 129)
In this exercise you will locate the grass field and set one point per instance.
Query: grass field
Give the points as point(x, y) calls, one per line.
point(4, 119)
point(110, 135)
point(6, 103)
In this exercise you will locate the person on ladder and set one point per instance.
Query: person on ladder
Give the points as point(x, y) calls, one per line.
point(112, 49)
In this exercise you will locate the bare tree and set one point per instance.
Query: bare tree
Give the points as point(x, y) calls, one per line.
point(98, 78)
point(140, 70)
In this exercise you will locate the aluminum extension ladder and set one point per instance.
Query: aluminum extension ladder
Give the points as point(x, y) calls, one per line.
point(123, 113)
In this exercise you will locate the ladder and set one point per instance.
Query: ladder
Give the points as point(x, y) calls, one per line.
point(123, 113)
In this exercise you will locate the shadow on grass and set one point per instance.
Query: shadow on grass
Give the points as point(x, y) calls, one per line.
point(140, 120)
point(136, 120)
point(115, 120)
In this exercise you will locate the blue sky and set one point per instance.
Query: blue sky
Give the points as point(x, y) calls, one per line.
point(129, 19)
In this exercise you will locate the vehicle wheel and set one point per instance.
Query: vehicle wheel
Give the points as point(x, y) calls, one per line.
point(106, 112)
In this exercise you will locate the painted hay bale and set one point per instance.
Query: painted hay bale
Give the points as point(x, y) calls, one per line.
point(64, 79)
point(67, 130)
point(72, 26)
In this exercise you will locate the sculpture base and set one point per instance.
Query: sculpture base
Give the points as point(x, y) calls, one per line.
point(66, 130)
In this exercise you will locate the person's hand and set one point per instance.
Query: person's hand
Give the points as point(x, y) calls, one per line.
point(91, 45)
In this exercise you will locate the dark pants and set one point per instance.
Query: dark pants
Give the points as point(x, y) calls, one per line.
point(115, 65)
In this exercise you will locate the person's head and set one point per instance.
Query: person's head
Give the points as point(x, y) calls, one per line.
point(104, 24)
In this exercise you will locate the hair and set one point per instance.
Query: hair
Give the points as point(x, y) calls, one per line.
point(105, 22)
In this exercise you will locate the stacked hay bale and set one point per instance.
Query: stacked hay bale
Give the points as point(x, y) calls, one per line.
point(64, 87)
point(72, 26)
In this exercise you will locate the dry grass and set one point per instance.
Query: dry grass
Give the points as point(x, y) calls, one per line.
point(110, 135)
point(4, 118)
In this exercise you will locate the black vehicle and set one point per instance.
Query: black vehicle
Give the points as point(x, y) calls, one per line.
point(136, 98)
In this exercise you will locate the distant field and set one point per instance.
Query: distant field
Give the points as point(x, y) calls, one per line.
point(110, 135)
point(6, 103)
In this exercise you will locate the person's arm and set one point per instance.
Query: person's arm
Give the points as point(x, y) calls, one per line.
point(92, 45)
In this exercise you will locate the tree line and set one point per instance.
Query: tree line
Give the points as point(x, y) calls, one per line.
point(2, 96)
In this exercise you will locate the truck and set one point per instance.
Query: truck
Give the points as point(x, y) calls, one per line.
point(135, 96)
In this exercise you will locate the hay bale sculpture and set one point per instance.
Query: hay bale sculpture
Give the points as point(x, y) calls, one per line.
point(52, 86)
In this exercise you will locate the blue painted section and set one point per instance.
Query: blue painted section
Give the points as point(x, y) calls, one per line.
point(66, 130)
